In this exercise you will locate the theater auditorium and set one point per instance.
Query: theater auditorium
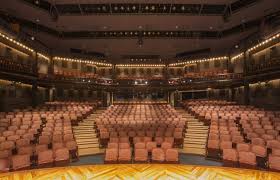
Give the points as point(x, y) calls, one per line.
point(136, 89)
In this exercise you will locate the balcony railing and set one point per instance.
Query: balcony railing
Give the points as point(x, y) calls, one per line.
point(8, 65)
point(273, 64)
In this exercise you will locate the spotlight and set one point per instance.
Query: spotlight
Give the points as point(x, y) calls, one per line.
point(32, 38)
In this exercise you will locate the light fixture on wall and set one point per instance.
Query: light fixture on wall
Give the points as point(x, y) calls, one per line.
point(264, 42)
point(198, 60)
point(16, 42)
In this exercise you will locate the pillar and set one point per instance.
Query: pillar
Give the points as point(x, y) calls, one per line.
point(51, 94)
point(51, 66)
point(171, 98)
point(34, 93)
point(112, 98)
point(232, 94)
point(246, 93)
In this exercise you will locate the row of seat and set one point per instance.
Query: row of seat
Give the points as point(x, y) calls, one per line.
point(154, 121)
point(156, 77)
point(43, 134)
point(123, 154)
point(242, 136)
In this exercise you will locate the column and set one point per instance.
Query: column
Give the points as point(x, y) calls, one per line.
point(232, 94)
point(51, 94)
point(246, 93)
point(34, 93)
point(171, 98)
point(112, 98)
point(51, 66)
point(35, 64)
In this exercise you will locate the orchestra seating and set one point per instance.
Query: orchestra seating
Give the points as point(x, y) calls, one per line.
point(239, 135)
point(141, 133)
point(41, 136)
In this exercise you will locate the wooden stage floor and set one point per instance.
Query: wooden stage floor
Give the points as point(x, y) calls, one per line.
point(141, 171)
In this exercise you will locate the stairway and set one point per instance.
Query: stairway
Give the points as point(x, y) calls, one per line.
point(196, 135)
point(85, 135)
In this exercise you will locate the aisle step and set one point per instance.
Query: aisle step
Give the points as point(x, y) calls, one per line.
point(187, 145)
point(196, 151)
point(192, 140)
point(86, 141)
point(90, 151)
point(197, 127)
point(196, 135)
point(84, 131)
point(85, 136)
point(84, 146)
point(197, 130)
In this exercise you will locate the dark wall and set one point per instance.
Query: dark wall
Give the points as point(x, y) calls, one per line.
point(17, 95)
point(266, 94)
point(76, 94)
